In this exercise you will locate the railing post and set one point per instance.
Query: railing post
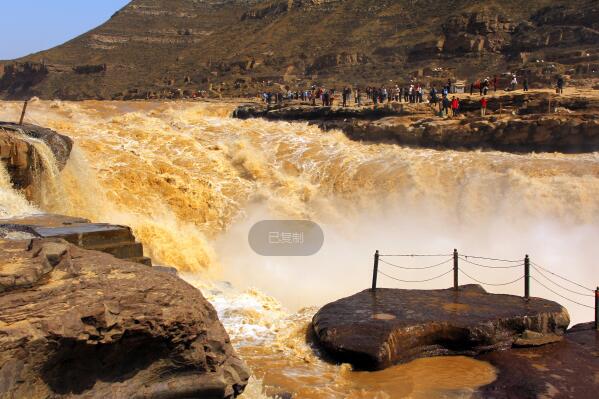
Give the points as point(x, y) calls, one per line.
point(597, 309)
point(455, 269)
point(23, 112)
point(375, 270)
point(526, 277)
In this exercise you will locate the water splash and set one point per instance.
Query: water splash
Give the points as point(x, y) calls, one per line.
point(12, 202)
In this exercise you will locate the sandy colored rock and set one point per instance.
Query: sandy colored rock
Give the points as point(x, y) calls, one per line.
point(83, 324)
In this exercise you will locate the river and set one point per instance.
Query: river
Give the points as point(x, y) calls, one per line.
point(191, 181)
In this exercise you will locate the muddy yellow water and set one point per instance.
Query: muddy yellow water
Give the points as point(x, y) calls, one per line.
point(191, 181)
point(288, 365)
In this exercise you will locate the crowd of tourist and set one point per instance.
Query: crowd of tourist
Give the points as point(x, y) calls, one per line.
point(442, 99)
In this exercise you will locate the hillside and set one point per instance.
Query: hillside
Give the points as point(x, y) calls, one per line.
point(154, 48)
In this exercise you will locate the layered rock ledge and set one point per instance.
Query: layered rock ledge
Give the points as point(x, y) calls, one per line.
point(376, 329)
point(515, 122)
point(78, 323)
point(568, 134)
point(115, 240)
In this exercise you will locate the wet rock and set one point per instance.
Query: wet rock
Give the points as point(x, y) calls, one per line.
point(567, 369)
point(59, 144)
point(312, 113)
point(77, 323)
point(376, 329)
point(21, 157)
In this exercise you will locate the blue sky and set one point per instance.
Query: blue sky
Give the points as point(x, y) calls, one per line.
point(29, 26)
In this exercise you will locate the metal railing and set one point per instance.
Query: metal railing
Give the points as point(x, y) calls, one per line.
point(542, 276)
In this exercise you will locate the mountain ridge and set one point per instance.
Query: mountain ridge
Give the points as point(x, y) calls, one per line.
point(162, 48)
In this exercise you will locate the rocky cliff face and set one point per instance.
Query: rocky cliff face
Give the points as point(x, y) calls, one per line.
point(155, 48)
point(22, 158)
point(83, 324)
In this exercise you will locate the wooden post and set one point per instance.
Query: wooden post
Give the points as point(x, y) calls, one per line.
point(526, 277)
point(375, 270)
point(23, 112)
point(597, 309)
point(455, 269)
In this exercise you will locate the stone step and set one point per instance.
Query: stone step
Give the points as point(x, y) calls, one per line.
point(89, 234)
point(124, 250)
point(116, 240)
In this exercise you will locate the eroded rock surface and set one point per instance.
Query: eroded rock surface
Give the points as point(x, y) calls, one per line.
point(569, 134)
point(376, 329)
point(567, 369)
point(83, 324)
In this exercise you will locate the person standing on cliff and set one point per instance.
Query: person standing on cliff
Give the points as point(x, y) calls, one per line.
point(446, 105)
point(483, 106)
point(344, 97)
point(434, 95)
point(560, 85)
point(495, 83)
point(525, 84)
point(455, 105)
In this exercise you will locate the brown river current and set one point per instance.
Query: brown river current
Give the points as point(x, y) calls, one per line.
point(191, 181)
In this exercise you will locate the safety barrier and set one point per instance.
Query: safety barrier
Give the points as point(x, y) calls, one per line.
point(541, 276)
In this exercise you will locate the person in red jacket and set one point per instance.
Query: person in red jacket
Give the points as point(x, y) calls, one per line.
point(455, 106)
point(483, 106)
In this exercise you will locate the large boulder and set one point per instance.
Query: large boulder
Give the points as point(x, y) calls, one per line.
point(78, 323)
point(376, 329)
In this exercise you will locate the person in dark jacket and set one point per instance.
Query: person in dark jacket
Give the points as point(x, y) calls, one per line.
point(434, 95)
point(344, 95)
point(446, 105)
point(560, 85)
